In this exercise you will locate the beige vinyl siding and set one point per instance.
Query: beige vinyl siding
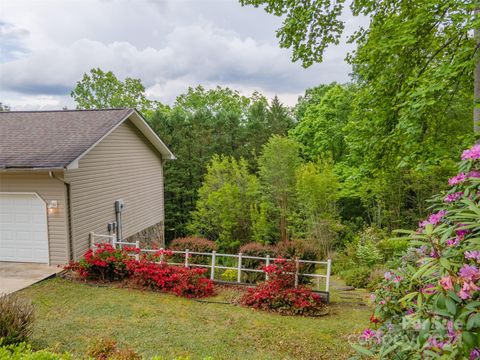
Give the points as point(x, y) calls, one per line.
point(47, 188)
point(125, 166)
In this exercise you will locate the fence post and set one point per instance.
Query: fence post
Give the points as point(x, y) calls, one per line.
point(297, 266)
point(90, 240)
point(137, 246)
point(162, 256)
point(327, 282)
point(239, 269)
point(267, 263)
point(186, 257)
point(212, 270)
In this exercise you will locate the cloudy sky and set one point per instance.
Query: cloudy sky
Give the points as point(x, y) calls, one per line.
point(46, 46)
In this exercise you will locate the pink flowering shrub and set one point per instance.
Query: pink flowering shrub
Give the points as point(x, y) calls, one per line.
point(429, 307)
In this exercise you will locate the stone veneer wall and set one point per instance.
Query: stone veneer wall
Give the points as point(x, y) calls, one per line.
point(153, 235)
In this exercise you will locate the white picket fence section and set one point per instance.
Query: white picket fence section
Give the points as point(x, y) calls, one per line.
point(240, 268)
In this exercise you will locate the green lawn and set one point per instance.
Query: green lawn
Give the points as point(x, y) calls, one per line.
point(70, 315)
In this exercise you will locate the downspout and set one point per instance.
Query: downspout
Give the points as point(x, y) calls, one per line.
point(67, 213)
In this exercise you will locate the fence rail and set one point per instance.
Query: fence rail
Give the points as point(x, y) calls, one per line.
point(239, 268)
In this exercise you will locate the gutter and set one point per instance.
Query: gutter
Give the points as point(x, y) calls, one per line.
point(68, 213)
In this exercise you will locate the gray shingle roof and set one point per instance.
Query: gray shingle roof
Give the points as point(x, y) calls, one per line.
point(52, 139)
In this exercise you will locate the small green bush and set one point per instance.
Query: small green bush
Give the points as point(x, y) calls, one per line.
point(23, 351)
point(229, 275)
point(16, 319)
point(357, 277)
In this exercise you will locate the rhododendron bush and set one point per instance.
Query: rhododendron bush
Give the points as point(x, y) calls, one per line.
point(106, 263)
point(430, 307)
point(279, 294)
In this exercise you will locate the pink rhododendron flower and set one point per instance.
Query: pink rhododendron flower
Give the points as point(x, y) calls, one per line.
point(446, 283)
point(434, 343)
point(467, 290)
point(457, 179)
point(454, 242)
point(428, 289)
point(453, 197)
point(472, 255)
point(474, 174)
point(474, 354)
point(471, 154)
point(469, 273)
point(367, 334)
point(433, 219)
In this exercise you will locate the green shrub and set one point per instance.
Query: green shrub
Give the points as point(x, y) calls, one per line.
point(358, 277)
point(16, 319)
point(367, 254)
point(229, 275)
point(23, 351)
point(392, 248)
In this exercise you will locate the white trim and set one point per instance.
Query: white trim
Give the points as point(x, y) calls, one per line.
point(144, 128)
point(46, 213)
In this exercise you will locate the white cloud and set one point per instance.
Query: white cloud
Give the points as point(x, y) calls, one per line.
point(169, 45)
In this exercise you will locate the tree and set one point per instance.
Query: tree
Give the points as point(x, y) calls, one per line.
point(278, 163)
point(102, 90)
point(435, 36)
point(226, 198)
point(4, 107)
point(316, 192)
point(321, 129)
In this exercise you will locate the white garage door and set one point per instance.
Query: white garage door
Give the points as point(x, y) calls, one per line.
point(23, 228)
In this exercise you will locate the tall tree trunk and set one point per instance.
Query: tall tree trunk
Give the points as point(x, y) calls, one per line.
point(476, 82)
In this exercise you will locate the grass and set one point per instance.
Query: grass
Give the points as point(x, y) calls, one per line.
point(70, 315)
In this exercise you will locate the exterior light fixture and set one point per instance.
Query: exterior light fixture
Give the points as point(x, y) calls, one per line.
point(52, 206)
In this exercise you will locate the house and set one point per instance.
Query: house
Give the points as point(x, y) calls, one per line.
point(64, 174)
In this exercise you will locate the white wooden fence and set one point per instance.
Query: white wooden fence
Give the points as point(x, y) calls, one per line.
point(240, 268)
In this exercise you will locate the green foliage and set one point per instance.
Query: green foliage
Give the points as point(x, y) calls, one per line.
point(16, 319)
point(320, 129)
point(278, 164)
point(368, 254)
point(308, 26)
point(225, 199)
point(102, 90)
point(206, 122)
point(428, 306)
point(358, 277)
point(23, 351)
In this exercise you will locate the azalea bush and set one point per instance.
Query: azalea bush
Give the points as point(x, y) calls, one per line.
point(429, 307)
point(107, 263)
point(279, 294)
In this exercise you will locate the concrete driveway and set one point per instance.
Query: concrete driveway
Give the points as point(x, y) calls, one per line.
point(16, 276)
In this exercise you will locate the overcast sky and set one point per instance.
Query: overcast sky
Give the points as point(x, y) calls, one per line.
point(47, 45)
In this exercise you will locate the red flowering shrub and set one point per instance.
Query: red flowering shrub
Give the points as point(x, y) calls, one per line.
point(182, 281)
point(104, 262)
point(109, 264)
point(279, 294)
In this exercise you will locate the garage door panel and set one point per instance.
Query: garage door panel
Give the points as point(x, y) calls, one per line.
point(23, 228)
